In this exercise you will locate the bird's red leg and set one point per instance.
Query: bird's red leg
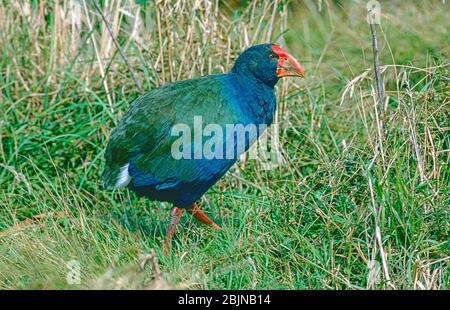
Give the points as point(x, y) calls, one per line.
point(174, 218)
point(201, 217)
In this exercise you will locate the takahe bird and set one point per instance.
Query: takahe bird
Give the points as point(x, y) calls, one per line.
point(140, 152)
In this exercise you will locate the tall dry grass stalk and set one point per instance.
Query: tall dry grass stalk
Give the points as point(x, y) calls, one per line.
point(173, 39)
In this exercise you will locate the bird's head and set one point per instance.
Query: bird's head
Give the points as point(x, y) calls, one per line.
point(267, 63)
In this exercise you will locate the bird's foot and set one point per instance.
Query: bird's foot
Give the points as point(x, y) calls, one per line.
point(175, 215)
point(201, 216)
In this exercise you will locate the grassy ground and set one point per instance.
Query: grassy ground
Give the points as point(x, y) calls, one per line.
point(361, 201)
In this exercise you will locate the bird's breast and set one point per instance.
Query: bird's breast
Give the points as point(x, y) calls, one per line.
point(254, 102)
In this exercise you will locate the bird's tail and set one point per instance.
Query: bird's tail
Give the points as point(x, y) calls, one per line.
point(113, 177)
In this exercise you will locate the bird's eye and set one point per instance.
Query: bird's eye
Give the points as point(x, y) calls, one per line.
point(272, 56)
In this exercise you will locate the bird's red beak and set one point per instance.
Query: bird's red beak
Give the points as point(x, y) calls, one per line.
point(287, 64)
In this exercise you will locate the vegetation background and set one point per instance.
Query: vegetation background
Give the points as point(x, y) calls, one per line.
point(361, 200)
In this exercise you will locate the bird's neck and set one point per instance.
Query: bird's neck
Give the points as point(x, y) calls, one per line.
point(256, 98)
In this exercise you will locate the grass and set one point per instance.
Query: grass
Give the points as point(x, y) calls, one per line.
point(357, 185)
